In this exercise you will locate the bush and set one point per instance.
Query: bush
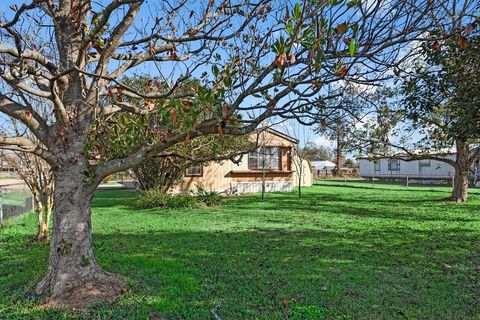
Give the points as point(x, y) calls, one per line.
point(209, 198)
point(155, 198)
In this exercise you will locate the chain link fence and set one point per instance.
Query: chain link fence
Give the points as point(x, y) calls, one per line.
point(14, 203)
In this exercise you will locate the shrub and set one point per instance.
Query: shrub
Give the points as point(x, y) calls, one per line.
point(209, 198)
point(155, 198)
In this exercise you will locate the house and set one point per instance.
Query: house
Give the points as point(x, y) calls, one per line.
point(323, 168)
point(398, 169)
point(274, 162)
point(323, 165)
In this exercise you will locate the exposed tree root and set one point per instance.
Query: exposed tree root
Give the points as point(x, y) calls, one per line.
point(100, 287)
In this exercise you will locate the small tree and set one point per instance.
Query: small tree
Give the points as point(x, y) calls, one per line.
point(165, 171)
point(35, 172)
point(297, 159)
point(37, 175)
point(299, 152)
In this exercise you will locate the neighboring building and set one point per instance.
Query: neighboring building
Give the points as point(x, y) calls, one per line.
point(323, 165)
point(9, 162)
point(272, 160)
point(400, 169)
point(323, 168)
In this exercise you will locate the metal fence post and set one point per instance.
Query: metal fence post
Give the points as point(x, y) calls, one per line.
point(1, 209)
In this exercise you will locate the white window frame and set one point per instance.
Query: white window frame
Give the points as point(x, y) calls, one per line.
point(424, 163)
point(393, 161)
point(194, 171)
point(265, 158)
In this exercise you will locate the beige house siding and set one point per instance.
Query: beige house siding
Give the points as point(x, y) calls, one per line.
point(214, 177)
point(306, 176)
point(226, 175)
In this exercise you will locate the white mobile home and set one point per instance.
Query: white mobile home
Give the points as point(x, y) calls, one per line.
point(385, 168)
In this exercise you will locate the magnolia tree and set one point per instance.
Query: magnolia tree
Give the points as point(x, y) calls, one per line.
point(441, 94)
point(166, 171)
point(117, 135)
point(255, 60)
point(436, 108)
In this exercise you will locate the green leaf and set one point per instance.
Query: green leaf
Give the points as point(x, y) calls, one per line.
point(352, 48)
point(289, 28)
point(353, 3)
point(215, 70)
point(297, 11)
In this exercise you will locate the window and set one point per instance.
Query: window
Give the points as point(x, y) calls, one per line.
point(427, 163)
point(376, 165)
point(194, 171)
point(393, 164)
point(264, 158)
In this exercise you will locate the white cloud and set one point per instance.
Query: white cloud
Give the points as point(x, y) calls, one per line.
point(322, 141)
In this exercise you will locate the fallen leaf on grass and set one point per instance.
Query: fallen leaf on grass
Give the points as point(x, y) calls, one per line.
point(446, 266)
point(156, 316)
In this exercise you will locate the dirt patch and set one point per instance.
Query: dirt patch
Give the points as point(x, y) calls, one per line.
point(90, 294)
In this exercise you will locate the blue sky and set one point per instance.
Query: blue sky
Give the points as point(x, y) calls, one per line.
point(303, 133)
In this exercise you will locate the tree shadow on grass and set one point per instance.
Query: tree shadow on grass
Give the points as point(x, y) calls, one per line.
point(366, 207)
point(353, 273)
point(379, 186)
point(392, 187)
point(114, 198)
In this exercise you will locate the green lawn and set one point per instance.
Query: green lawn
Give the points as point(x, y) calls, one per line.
point(344, 251)
point(15, 198)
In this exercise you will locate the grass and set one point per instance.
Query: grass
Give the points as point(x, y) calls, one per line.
point(344, 251)
point(15, 198)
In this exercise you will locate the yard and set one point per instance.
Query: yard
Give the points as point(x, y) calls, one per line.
point(344, 251)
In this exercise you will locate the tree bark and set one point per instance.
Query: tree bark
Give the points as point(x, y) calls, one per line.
point(44, 221)
point(338, 157)
point(462, 173)
point(73, 277)
point(42, 232)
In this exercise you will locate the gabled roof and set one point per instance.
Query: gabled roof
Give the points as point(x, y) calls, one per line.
point(323, 164)
point(277, 133)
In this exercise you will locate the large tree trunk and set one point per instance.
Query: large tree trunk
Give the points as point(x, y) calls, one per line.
point(73, 277)
point(462, 173)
